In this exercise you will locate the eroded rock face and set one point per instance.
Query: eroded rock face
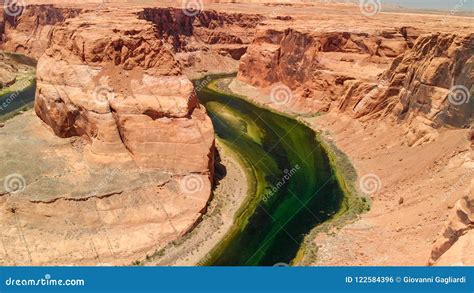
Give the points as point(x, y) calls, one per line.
point(8, 71)
point(64, 212)
point(425, 75)
point(136, 148)
point(189, 33)
point(207, 42)
point(317, 65)
point(426, 87)
point(28, 33)
point(424, 82)
point(454, 245)
point(114, 82)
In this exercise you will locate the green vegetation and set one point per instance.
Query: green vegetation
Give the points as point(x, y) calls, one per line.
point(19, 97)
point(278, 217)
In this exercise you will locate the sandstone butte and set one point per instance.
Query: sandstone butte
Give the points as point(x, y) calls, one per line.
point(117, 75)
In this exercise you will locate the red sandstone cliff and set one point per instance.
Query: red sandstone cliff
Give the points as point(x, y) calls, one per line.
point(207, 42)
point(116, 83)
point(455, 244)
point(29, 32)
point(316, 66)
point(426, 87)
point(369, 75)
point(415, 81)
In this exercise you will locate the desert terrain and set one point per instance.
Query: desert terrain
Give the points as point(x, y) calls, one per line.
point(116, 164)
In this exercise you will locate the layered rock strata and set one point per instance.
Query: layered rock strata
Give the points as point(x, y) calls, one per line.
point(427, 87)
point(114, 82)
point(8, 71)
point(317, 66)
point(425, 82)
point(28, 32)
point(207, 41)
point(456, 241)
point(417, 82)
point(137, 148)
point(366, 70)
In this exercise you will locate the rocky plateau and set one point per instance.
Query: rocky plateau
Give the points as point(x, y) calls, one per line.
point(114, 93)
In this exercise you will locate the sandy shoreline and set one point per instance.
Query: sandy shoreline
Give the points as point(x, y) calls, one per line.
point(229, 195)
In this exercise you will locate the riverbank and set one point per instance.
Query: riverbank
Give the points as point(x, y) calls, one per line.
point(229, 196)
point(17, 100)
point(19, 96)
point(415, 188)
point(352, 204)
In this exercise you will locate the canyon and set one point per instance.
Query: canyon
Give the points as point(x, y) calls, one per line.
point(117, 105)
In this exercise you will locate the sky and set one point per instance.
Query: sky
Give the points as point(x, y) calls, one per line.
point(464, 5)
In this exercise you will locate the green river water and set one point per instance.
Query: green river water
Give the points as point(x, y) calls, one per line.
point(292, 185)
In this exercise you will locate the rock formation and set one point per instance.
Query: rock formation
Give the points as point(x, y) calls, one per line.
point(318, 66)
point(206, 42)
point(114, 82)
point(8, 71)
point(418, 82)
point(426, 87)
point(28, 33)
point(455, 244)
point(425, 83)
point(111, 90)
point(114, 79)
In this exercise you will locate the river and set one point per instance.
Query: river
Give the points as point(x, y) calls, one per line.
point(22, 94)
point(292, 185)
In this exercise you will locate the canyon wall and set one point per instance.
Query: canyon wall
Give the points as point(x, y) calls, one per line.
point(112, 85)
point(117, 84)
point(116, 80)
point(425, 88)
point(421, 81)
point(28, 33)
point(97, 77)
point(316, 66)
point(367, 76)
point(207, 42)
point(8, 71)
